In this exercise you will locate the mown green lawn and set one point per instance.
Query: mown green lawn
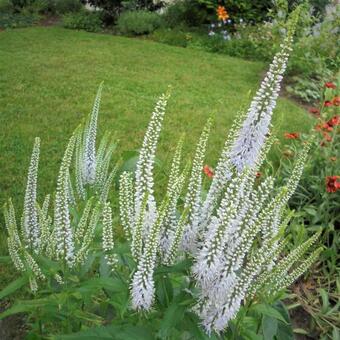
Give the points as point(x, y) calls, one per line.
point(49, 76)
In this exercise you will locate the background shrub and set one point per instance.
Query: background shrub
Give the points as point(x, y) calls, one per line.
point(138, 22)
point(6, 6)
point(86, 20)
point(16, 20)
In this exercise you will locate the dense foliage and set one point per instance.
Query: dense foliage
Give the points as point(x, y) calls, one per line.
point(83, 20)
point(316, 205)
point(138, 22)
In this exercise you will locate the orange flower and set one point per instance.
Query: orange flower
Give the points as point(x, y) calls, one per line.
point(208, 171)
point(291, 135)
point(222, 13)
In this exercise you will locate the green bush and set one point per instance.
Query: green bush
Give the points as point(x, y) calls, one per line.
point(6, 6)
point(85, 20)
point(15, 20)
point(138, 22)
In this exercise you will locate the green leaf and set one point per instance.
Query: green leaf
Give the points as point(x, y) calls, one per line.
point(269, 327)
point(269, 311)
point(181, 267)
point(335, 333)
point(5, 259)
point(107, 283)
point(325, 300)
point(125, 332)
point(300, 331)
point(13, 286)
point(24, 306)
point(164, 290)
point(173, 315)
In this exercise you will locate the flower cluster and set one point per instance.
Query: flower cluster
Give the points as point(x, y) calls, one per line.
point(63, 237)
point(233, 236)
point(151, 229)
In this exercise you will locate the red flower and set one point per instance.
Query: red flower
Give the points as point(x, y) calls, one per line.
point(332, 184)
point(336, 101)
point(208, 171)
point(334, 121)
point(314, 110)
point(330, 85)
point(258, 174)
point(291, 135)
point(327, 103)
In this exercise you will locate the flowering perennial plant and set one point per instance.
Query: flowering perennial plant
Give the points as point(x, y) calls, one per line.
point(64, 238)
point(234, 236)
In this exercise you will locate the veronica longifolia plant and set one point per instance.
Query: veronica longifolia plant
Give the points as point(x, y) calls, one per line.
point(65, 238)
point(233, 235)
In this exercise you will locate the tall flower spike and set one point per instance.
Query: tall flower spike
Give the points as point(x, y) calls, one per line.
point(145, 164)
point(90, 132)
point(108, 243)
point(175, 186)
point(88, 235)
point(126, 203)
point(193, 197)
point(63, 230)
point(252, 135)
point(13, 241)
point(30, 216)
point(79, 160)
point(223, 172)
point(143, 286)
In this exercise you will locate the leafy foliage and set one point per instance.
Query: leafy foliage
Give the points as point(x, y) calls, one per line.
point(138, 22)
point(85, 20)
point(316, 206)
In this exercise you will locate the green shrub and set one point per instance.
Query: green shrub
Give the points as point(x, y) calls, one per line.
point(85, 20)
point(6, 6)
point(138, 22)
point(15, 20)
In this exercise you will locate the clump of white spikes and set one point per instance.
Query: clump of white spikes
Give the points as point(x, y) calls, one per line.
point(220, 231)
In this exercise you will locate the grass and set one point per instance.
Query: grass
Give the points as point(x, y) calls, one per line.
point(49, 77)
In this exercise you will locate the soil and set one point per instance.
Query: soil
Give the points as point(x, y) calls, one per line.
point(49, 21)
point(12, 327)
